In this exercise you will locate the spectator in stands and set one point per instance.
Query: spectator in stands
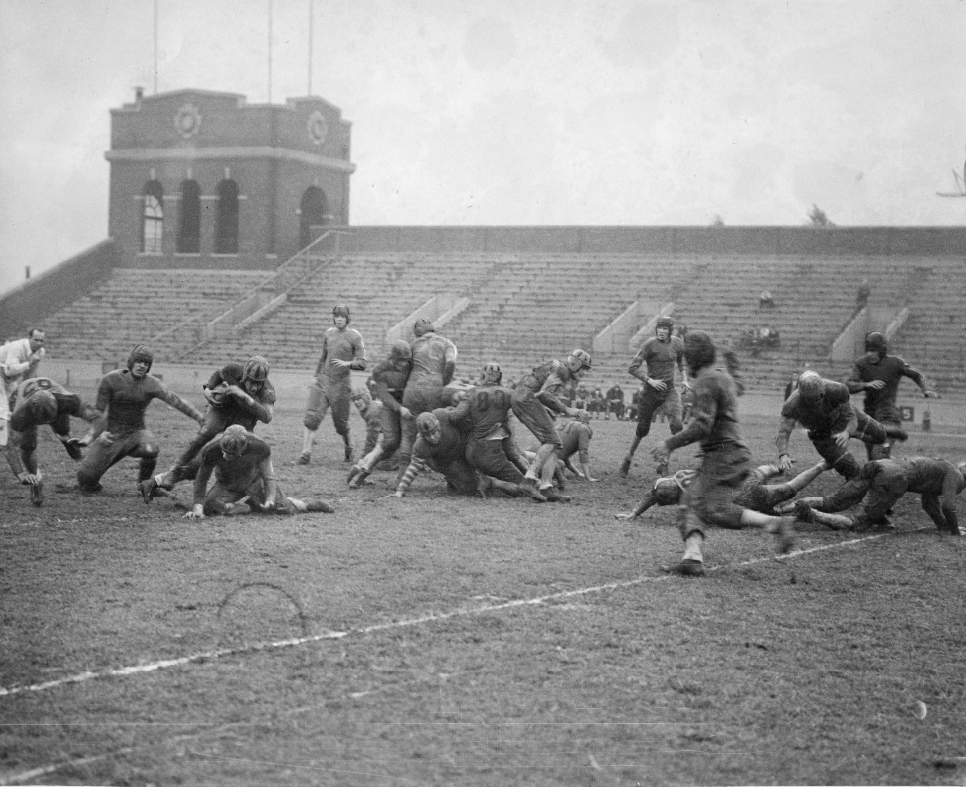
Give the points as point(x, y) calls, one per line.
point(342, 351)
point(878, 374)
point(635, 408)
point(580, 397)
point(597, 402)
point(765, 300)
point(654, 365)
point(615, 402)
point(862, 294)
point(19, 360)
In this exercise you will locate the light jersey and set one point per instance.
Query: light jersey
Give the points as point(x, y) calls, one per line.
point(234, 374)
point(431, 353)
point(16, 359)
point(660, 358)
point(125, 399)
point(67, 403)
point(827, 416)
point(342, 345)
point(236, 474)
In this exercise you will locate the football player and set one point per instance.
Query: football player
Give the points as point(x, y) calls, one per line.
point(754, 493)
point(36, 401)
point(433, 366)
point(123, 397)
point(824, 409)
point(882, 482)
point(389, 382)
point(878, 374)
point(244, 479)
point(18, 360)
point(654, 366)
point(342, 351)
point(371, 412)
point(236, 394)
point(534, 397)
point(725, 461)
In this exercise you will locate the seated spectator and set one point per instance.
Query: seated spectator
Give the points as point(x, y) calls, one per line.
point(863, 293)
point(765, 300)
point(615, 402)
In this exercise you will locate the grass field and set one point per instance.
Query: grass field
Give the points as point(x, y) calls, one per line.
point(444, 641)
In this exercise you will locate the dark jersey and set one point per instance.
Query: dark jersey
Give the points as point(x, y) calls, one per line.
point(450, 448)
point(825, 417)
point(659, 358)
point(484, 412)
point(881, 404)
point(244, 414)
point(342, 344)
point(123, 400)
point(235, 474)
point(68, 404)
point(389, 383)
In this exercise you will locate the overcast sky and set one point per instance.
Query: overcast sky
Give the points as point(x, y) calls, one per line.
point(513, 111)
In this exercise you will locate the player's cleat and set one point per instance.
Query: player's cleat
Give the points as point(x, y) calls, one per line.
point(531, 491)
point(304, 459)
point(553, 496)
point(148, 489)
point(319, 505)
point(357, 477)
point(689, 567)
point(72, 447)
point(625, 466)
point(37, 493)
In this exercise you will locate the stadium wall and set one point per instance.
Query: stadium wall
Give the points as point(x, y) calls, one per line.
point(780, 241)
point(56, 288)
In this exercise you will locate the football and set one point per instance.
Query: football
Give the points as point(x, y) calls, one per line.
point(217, 394)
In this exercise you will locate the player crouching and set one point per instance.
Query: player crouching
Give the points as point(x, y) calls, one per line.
point(244, 475)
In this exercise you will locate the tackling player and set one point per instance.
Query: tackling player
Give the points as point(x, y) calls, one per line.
point(389, 382)
point(654, 366)
point(244, 475)
point(754, 493)
point(18, 360)
point(725, 460)
point(824, 409)
point(236, 394)
point(123, 397)
point(342, 351)
point(879, 374)
point(433, 366)
point(534, 397)
point(882, 482)
point(36, 401)
point(371, 412)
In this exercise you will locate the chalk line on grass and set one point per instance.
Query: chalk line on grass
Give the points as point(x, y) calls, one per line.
point(431, 617)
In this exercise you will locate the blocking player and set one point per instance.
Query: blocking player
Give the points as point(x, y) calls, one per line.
point(244, 479)
point(881, 483)
point(823, 407)
point(754, 493)
point(389, 383)
point(654, 366)
point(123, 397)
point(236, 394)
point(534, 397)
point(878, 374)
point(18, 360)
point(483, 417)
point(36, 401)
point(371, 412)
point(433, 366)
point(342, 351)
point(575, 437)
point(725, 460)
point(441, 446)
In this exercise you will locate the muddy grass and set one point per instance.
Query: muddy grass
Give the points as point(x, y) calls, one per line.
point(435, 640)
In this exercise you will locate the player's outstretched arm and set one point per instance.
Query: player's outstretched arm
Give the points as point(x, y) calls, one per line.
point(646, 502)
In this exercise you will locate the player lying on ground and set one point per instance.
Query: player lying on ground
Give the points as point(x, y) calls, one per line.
point(575, 437)
point(441, 446)
point(236, 394)
point(122, 399)
point(244, 479)
point(824, 408)
point(36, 401)
point(754, 494)
point(881, 483)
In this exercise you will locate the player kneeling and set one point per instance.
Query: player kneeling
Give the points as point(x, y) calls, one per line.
point(244, 476)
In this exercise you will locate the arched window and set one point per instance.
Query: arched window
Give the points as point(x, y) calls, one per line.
point(189, 233)
point(314, 208)
point(152, 218)
point(226, 220)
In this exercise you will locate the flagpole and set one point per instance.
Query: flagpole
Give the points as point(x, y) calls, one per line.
point(155, 47)
point(311, 18)
point(269, 51)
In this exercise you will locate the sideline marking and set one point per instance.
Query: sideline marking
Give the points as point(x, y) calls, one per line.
point(431, 617)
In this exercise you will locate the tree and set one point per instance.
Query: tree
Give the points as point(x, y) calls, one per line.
point(818, 219)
